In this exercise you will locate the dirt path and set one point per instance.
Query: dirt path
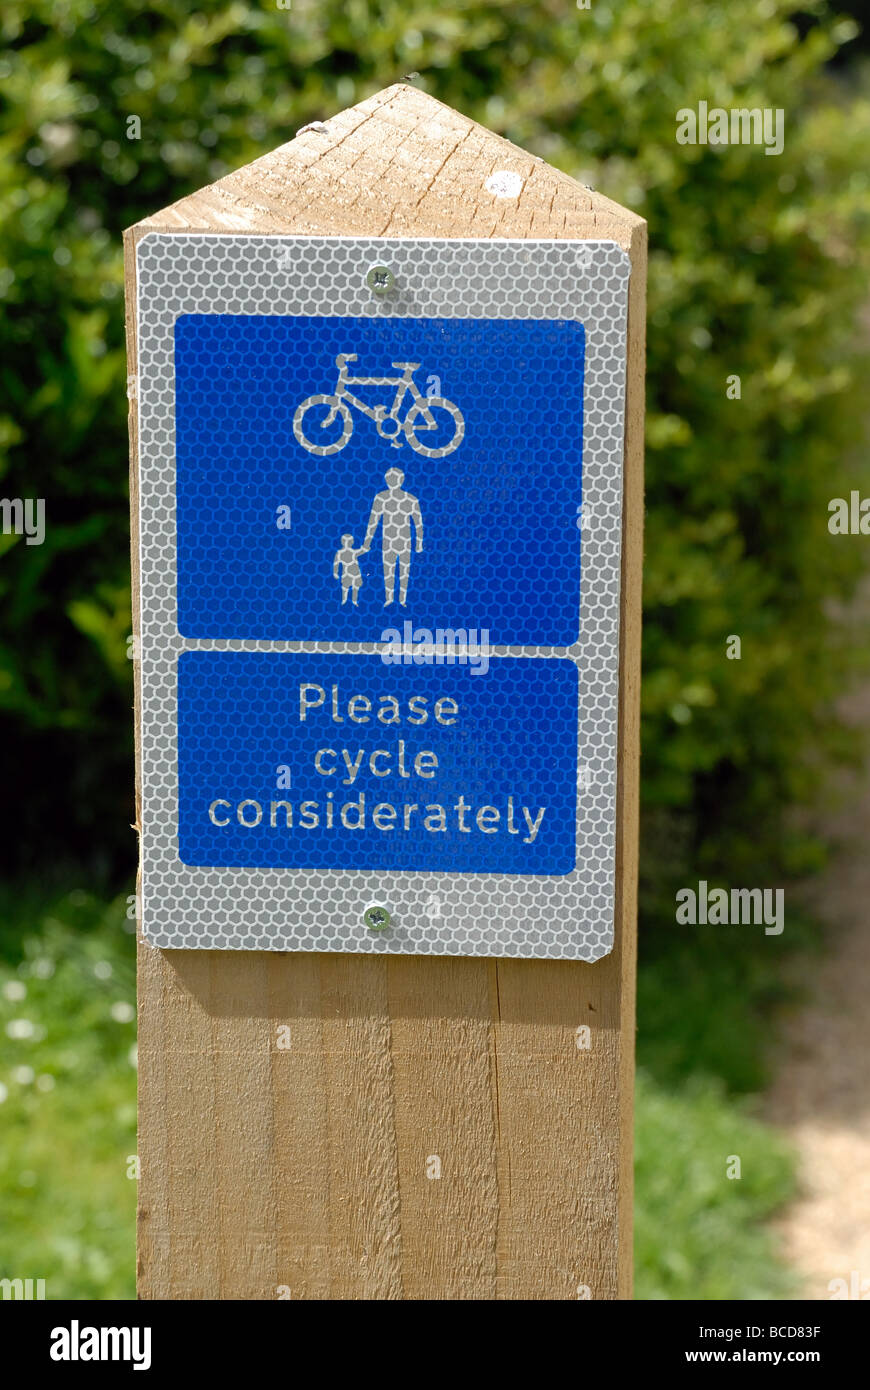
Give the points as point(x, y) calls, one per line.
point(821, 1095)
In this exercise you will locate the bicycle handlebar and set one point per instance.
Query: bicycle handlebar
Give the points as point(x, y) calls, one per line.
point(344, 357)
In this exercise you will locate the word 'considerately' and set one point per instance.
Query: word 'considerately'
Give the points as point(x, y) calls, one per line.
point(353, 815)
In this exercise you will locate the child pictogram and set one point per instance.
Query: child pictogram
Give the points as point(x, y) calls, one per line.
point(345, 567)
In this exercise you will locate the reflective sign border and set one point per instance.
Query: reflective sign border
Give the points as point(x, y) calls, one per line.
point(563, 918)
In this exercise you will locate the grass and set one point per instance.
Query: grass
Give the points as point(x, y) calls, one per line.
point(708, 1003)
point(68, 1082)
point(700, 1233)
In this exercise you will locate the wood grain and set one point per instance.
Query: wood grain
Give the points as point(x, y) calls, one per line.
point(272, 1171)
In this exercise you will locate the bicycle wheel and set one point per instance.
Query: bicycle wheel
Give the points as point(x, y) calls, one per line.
point(328, 435)
point(447, 433)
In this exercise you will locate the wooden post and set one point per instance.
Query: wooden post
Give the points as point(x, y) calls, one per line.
point(269, 1173)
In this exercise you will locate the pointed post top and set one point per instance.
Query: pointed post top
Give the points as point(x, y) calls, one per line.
point(400, 163)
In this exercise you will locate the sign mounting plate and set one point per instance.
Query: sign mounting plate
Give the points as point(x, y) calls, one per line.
point(379, 549)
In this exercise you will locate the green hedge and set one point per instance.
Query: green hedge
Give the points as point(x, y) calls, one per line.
point(758, 267)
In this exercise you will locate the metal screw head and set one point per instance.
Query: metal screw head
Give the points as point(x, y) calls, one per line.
point(380, 279)
point(376, 918)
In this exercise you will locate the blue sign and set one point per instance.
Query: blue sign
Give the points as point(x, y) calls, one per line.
point(317, 761)
point(380, 526)
point(337, 476)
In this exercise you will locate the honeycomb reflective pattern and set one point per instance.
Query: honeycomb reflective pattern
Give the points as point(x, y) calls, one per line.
point(504, 768)
point(445, 913)
point(239, 380)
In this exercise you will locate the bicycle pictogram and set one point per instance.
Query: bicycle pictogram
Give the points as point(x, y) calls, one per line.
point(324, 424)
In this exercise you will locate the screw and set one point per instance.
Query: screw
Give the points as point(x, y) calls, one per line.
point(377, 918)
point(380, 279)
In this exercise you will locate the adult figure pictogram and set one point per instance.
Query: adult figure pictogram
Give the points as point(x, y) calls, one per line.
point(396, 510)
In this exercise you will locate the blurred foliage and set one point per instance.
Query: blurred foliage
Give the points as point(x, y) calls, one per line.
point(700, 1234)
point(68, 1095)
point(711, 1002)
point(758, 267)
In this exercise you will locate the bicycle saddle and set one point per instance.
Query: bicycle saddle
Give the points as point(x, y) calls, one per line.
point(345, 357)
point(406, 366)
